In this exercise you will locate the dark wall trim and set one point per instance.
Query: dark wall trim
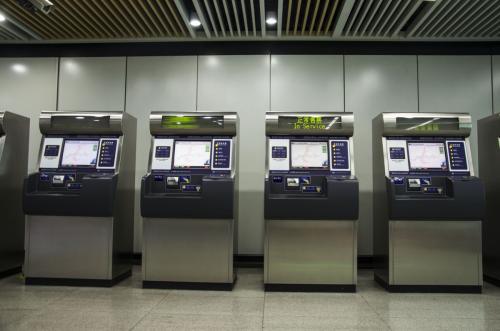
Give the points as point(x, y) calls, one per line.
point(249, 47)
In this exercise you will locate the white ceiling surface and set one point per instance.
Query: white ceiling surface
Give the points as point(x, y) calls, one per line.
point(146, 20)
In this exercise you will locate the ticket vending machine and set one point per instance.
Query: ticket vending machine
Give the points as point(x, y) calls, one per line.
point(14, 140)
point(489, 165)
point(80, 202)
point(189, 201)
point(427, 204)
point(311, 203)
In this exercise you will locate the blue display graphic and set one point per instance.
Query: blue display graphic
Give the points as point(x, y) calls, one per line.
point(51, 150)
point(397, 153)
point(107, 153)
point(456, 151)
point(340, 154)
point(279, 152)
point(222, 154)
point(162, 152)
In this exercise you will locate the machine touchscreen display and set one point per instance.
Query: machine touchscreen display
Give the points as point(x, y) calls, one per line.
point(80, 153)
point(427, 156)
point(309, 155)
point(192, 154)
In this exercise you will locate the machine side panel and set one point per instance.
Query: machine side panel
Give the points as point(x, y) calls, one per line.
point(380, 208)
point(489, 159)
point(13, 168)
point(436, 252)
point(123, 234)
point(68, 247)
point(188, 250)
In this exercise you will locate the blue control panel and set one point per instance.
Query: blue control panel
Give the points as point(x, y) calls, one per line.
point(222, 154)
point(340, 155)
point(162, 151)
point(397, 153)
point(51, 150)
point(107, 153)
point(279, 152)
point(457, 155)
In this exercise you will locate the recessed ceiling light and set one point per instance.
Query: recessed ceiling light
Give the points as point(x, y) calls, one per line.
point(2, 17)
point(194, 21)
point(271, 18)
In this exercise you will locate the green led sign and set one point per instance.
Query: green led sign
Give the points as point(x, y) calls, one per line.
point(312, 123)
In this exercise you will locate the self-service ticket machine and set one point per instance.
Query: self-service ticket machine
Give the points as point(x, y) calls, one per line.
point(80, 202)
point(14, 139)
point(189, 201)
point(428, 205)
point(311, 203)
point(489, 166)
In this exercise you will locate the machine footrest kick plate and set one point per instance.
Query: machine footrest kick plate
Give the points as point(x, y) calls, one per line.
point(188, 285)
point(347, 288)
point(77, 282)
point(429, 288)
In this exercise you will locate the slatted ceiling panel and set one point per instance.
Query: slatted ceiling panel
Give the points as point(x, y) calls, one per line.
point(240, 19)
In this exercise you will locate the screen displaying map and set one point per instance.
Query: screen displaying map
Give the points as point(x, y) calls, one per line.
point(429, 155)
point(192, 154)
point(309, 154)
point(80, 153)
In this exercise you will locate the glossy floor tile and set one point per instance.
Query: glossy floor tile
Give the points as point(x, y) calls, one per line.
point(129, 307)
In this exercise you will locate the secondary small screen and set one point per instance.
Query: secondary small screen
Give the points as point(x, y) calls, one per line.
point(80, 153)
point(427, 156)
point(192, 154)
point(309, 154)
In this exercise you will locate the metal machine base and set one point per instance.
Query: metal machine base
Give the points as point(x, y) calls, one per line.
point(77, 282)
point(310, 255)
point(428, 288)
point(348, 288)
point(10, 272)
point(188, 253)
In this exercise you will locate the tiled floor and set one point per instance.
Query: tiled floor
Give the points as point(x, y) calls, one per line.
point(128, 307)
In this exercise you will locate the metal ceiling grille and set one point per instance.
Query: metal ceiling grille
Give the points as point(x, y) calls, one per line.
point(107, 20)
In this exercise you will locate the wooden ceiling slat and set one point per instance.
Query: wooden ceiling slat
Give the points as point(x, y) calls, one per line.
point(90, 19)
point(288, 16)
point(313, 20)
point(128, 22)
point(228, 18)
point(211, 18)
point(165, 30)
point(13, 10)
point(219, 17)
point(126, 29)
point(254, 25)
point(70, 16)
point(163, 14)
point(139, 25)
point(111, 17)
point(297, 15)
point(306, 16)
point(319, 28)
point(174, 13)
point(143, 18)
point(81, 19)
point(332, 14)
point(245, 20)
point(98, 17)
point(56, 17)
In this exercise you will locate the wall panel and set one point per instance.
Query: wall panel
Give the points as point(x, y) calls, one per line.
point(92, 84)
point(307, 83)
point(156, 84)
point(241, 84)
point(375, 84)
point(456, 84)
point(28, 86)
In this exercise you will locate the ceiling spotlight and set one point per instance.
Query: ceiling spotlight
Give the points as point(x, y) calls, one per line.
point(2, 17)
point(194, 21)
point(271, 18)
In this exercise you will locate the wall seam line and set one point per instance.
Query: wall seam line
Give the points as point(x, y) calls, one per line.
point(270, 82)
point(343, 79)
point(58, 82)
point(492, 86)
point(125, 92)
point(197, 81)
point(418, 85)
